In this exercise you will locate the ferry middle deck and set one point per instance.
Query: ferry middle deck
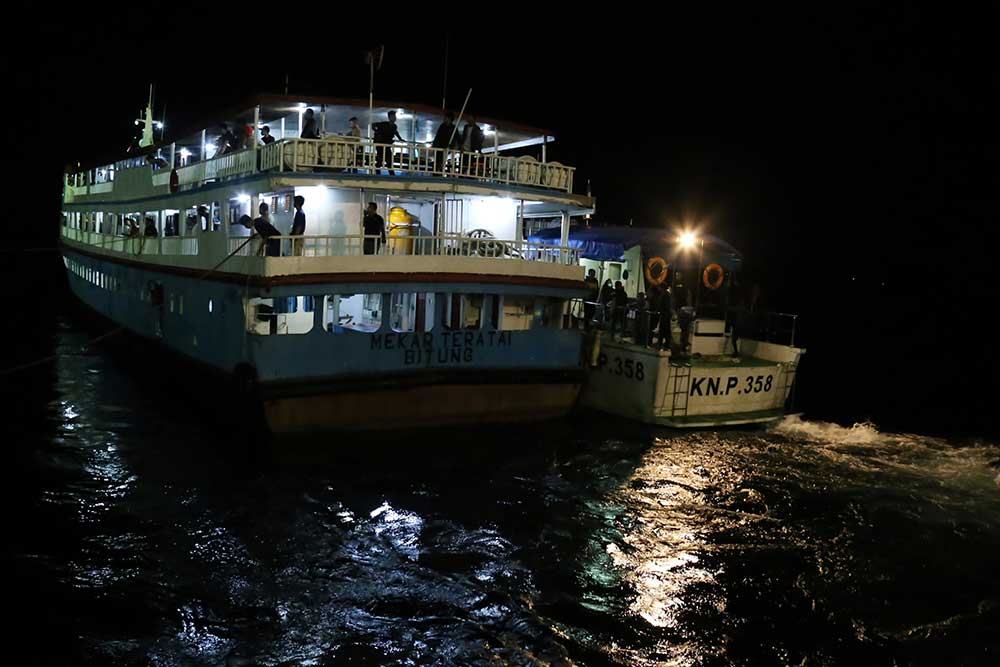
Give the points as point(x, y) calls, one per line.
point(453, 317)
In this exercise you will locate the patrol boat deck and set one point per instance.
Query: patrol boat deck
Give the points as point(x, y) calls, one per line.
point(723, 366)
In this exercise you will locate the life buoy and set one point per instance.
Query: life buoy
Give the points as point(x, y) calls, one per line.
point(713, 284)
point(662, 275)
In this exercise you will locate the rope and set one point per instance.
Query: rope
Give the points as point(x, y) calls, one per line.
point(116, 330)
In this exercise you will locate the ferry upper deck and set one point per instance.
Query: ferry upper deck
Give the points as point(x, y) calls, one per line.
point(454, 209)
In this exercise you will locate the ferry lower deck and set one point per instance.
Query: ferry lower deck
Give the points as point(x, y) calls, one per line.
point(338, 354)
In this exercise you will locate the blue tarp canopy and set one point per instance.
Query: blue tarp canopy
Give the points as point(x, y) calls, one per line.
point(608, 244)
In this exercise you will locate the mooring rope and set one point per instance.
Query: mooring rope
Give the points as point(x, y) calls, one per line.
point(108, 334)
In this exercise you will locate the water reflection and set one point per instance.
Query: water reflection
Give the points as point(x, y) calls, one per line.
point(575, 543)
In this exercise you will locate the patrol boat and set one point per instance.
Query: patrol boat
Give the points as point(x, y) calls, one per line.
point(456, 317)
point(730, 363)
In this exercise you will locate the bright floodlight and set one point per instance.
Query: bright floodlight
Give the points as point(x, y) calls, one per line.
point(687, 240)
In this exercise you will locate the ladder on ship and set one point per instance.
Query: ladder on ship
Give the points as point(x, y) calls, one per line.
point(678, 393)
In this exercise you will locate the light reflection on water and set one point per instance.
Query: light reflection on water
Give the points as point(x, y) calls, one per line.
point(586, 543)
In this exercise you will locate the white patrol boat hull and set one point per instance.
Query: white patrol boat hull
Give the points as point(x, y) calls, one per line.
point(652, 386)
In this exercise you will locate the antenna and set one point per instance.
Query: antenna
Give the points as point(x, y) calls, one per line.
point(459, 119)
point(286, 83)
point(444, 86)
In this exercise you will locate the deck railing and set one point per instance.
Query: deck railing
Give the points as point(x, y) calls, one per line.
point(442, 245)
point(341, 154)
point(334, 246)
point(135, 245)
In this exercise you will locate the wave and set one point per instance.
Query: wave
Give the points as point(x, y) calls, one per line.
point(863, 433)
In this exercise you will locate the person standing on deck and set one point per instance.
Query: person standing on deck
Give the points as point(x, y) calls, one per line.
point(621, 301)
point(354, 134)
point(472, 142)
point(309, 130)
point(385, 133)
point(666, 308)
point(298, 225)
point(354, 131)
point(374, 225)
point(442, 140)
point(265, 135)
point(641, 320)
point(591, 304)
point(223, 142)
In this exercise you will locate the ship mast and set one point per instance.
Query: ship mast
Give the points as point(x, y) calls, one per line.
point(147, 121)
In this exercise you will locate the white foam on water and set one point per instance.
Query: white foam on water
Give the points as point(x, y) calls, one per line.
point(858, 434)
point(888, 456)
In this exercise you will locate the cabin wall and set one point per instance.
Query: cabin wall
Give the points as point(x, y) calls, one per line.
point(496, 215)
point(329, 211)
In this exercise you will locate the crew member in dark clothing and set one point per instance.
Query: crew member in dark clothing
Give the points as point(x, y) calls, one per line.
point(666, 308)
point(446, 129)
point(374, 226)
point(621, 301)
point(443, 139)
point(265, 135)
point(606, 298)
point(472, 137)
point(224, 143)
point(641, 320)
point(385, 133)
point(298, 224)
point(472, 142)
point(591, 303)
point(266, 231)
point(309, 130)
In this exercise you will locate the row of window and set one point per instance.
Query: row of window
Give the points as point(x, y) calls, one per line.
point(172, 222)
point(94, 276)
point(404, 312)
point(169, 222)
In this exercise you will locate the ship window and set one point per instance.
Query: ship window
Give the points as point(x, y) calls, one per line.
point(411, 311)
point(517, 313)
point(216, 216)
point(280, 315)
point(352, 312)
point(554, 313)
point(210, 305)
point(151, 228)
point(171, 222)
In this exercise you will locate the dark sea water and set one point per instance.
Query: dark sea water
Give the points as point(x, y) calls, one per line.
point(141, 531)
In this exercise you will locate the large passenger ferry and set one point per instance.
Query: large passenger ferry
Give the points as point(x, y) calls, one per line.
point(452, 317)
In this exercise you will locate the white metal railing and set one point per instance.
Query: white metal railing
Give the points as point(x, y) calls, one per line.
point(134, 245)
point(339, 153)
point(442, 245)
point(342, 153)
point(336, 246)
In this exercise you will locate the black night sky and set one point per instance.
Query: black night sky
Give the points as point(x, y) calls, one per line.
point(851, 155)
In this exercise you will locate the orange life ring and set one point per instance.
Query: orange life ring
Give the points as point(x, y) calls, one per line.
point(713, 284)
point(656, 261)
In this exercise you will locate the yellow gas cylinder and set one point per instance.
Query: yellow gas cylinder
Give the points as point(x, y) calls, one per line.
point(400, 231)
